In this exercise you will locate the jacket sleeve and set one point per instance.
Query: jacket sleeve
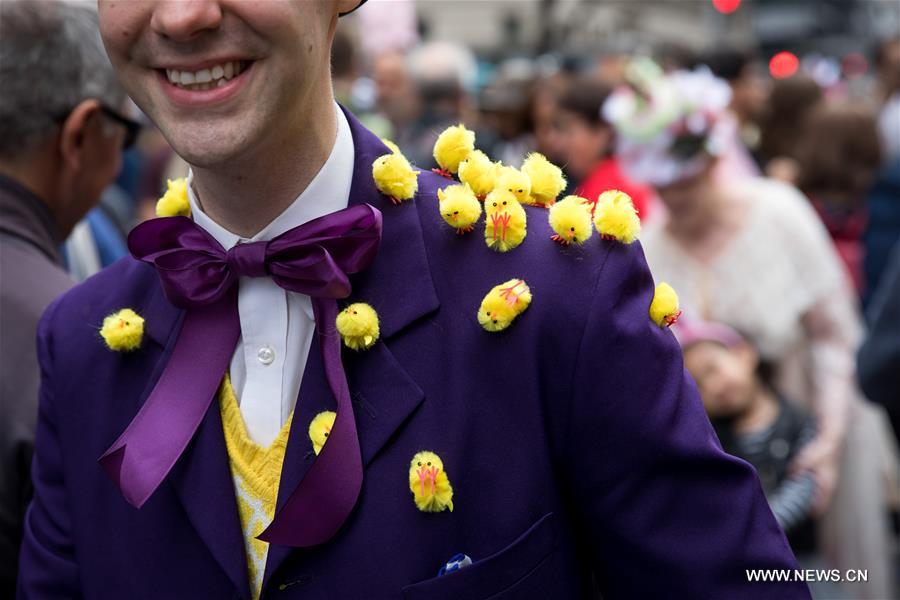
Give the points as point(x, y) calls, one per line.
point(667, 512)
point(47, 567)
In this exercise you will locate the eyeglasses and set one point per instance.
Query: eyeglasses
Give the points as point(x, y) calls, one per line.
point(132, 127)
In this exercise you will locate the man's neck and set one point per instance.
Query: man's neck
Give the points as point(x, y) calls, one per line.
point(39, 173)
point(246, 195)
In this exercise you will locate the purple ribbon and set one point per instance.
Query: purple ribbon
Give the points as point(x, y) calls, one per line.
point(199, 275)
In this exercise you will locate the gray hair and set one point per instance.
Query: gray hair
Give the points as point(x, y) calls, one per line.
point(51, 59)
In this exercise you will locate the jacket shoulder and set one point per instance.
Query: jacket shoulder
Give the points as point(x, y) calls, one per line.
point(74, 319)
point(569, 275)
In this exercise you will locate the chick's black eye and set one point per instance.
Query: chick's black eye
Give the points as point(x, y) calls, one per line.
point(495, 204)
point(429, 463)
point(510, 189)
point(419, 463)
point(520, 191)
point(571, 229)
point(326, 434)
point(504, 203)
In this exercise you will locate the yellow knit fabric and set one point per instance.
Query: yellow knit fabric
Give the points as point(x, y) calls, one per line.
point(256, 471)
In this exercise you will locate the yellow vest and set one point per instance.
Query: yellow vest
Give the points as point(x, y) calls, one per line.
point(256, 472)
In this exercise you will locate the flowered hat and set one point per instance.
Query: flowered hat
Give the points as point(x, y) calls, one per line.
point(668, 125)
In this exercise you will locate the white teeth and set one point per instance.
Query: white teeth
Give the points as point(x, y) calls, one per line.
point(205, 79)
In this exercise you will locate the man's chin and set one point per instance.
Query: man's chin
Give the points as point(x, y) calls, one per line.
point(207, 150)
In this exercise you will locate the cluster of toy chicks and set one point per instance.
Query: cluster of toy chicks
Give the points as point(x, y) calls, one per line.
point(503, 189)
point(612, 214)
point(498, 191)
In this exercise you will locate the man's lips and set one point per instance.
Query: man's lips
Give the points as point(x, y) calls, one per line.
point(207, 85)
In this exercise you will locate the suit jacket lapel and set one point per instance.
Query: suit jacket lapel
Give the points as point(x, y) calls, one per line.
point(398, 285)
point(201, 477)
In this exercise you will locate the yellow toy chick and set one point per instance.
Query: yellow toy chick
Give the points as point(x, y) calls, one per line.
point(123, 330)
point(664, 310)
point(391, 146)
point(570, 218)
point(503, 304)
point(505, 221)
point(320, 428)
point(395, 177)
point(547, 180)
point(429, 483)
point(616, 218)
point(515, 182)
point(479, 172)
point(459, 207)
point(358, 326)
point(174, 203)
point(451, 148)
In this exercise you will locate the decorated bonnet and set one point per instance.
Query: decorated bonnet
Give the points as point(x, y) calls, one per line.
point(668, 125)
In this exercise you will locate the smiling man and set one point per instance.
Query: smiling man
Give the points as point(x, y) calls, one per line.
point(243, 454)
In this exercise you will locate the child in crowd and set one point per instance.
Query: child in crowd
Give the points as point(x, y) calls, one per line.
point(754, 423)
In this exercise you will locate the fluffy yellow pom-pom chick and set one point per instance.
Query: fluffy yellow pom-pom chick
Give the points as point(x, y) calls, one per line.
point(503, 304)
point(123, 330)
point(459, 207)
point(358, 326)
point(505, 221)
point(616, 218)
point(570, 218)
point(515, 182)
point(480, 172)
point(174, 203)
point(429, 483)
point(664, 309)
point(452, 147)
point(391, 146)
point(547, 180)
point(395, 177)
point(320, 428)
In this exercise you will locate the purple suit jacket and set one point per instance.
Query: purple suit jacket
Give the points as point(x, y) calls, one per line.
point(579, 452)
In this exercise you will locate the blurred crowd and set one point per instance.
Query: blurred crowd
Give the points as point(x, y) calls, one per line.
point(781, 238)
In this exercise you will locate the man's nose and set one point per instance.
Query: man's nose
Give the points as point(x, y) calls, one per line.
point(184, 20)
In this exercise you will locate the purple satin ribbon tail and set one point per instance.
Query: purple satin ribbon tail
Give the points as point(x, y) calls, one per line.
point(323, 500)
point(143, 455)
point(196, 273)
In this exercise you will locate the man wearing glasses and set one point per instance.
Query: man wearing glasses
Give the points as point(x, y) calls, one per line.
point(61, 136)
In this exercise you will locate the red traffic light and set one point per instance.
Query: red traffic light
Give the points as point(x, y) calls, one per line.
point(726, 7)
point(784, 64)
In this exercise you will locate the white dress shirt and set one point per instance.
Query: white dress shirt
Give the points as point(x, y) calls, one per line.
point(277, 326)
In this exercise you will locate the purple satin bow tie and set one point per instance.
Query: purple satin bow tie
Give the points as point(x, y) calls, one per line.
point(199, 275)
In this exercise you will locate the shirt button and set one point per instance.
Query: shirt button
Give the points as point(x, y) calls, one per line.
point(265, 355)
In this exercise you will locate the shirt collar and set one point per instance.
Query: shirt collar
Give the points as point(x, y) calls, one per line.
point(328, 192)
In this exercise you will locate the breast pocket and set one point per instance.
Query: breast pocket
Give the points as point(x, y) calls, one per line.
point(519, 569)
